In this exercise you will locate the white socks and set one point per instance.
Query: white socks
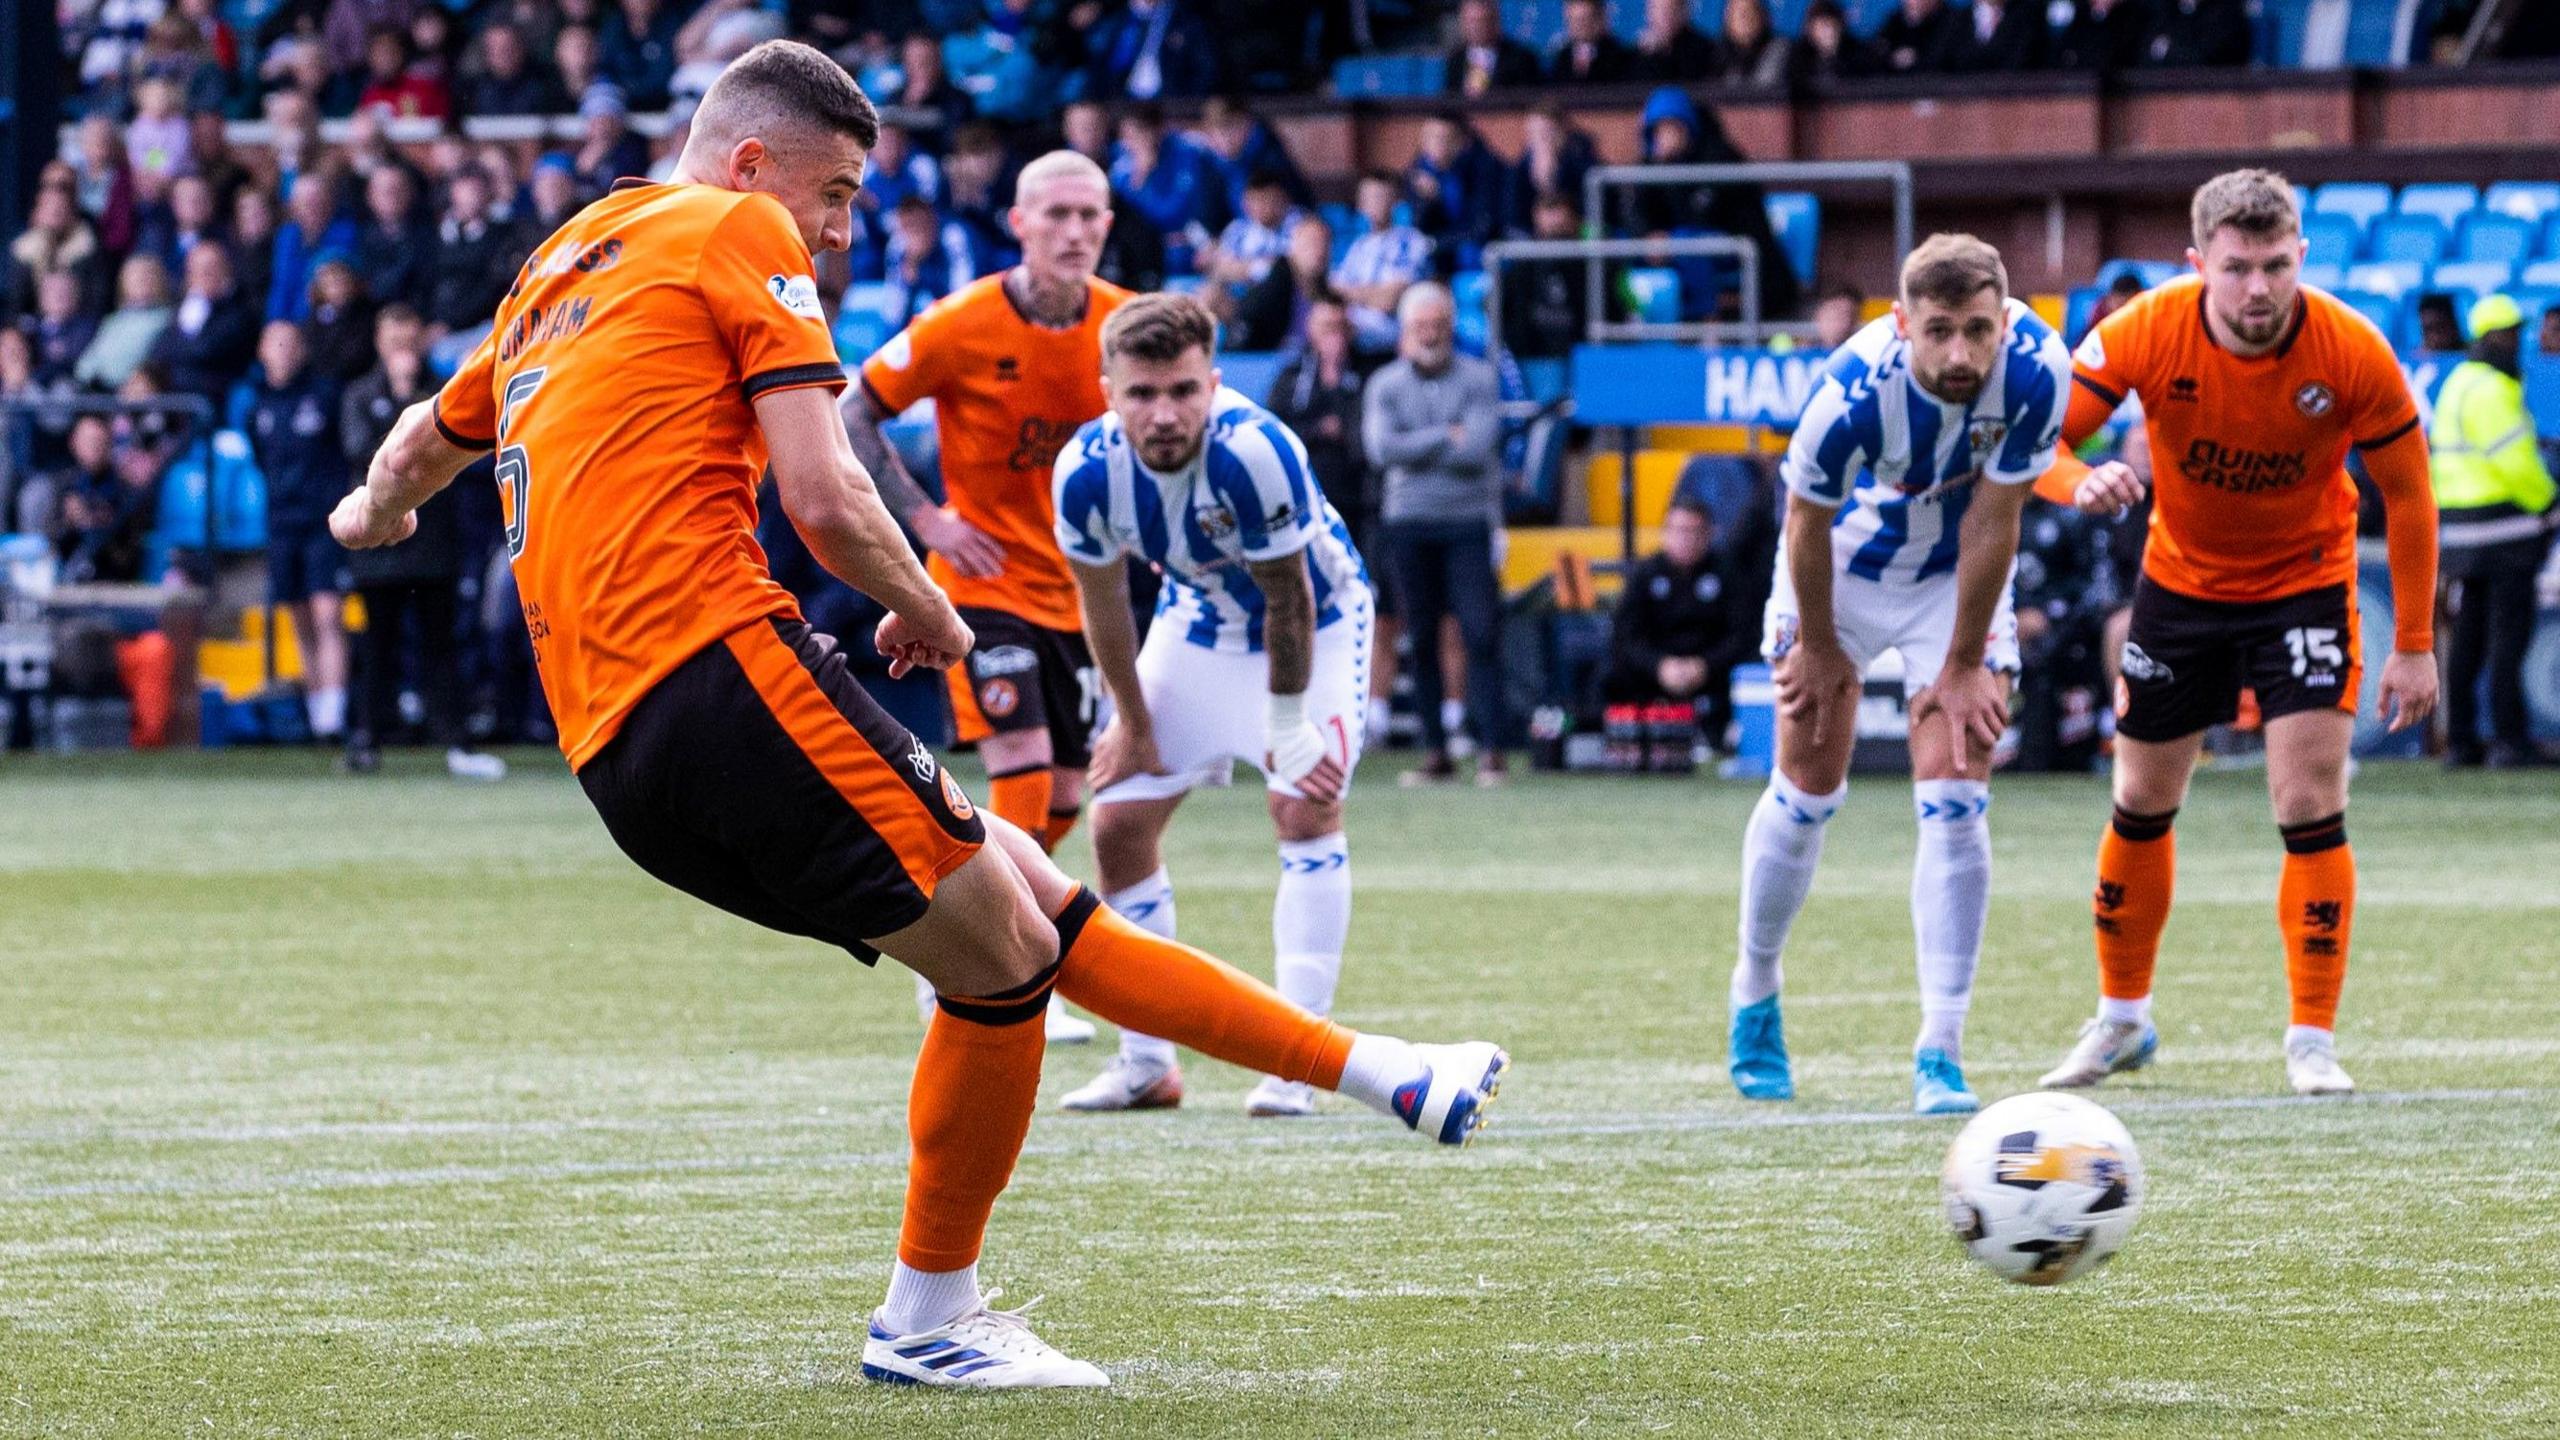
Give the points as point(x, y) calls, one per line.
point(2125, 1012)
point(1950, 899)
point(1382, 714)
point(326, 708)
point(1310, 919)
point(1780, 849)
point(1378, 1066)
point(1149, 906)
point(927, 1299)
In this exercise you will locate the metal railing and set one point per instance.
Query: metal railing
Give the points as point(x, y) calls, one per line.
point(1895, 174)
point(1596, 325)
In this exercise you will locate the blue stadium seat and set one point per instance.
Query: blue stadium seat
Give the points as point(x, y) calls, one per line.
point(1251, 372)
point(2335, 239)
point(2152, 273)
point(1653, 292)
point(862, 321)
point(2533, 300)
point(1369, 75)
point(1797, 219)
point(2388, 278)
point(238, 490)
point(1467, 287)
point(1866, 17)
point(2531, 201)
point(2446, 201)
point(1545, 379)
point(2279, 27)
point(2488, 235)
point(2362, 201)
point(1534, 23)
point(2077, 307)
point(2478, 276)
point(2327, 277)
point(2382, 310)
point(2372, 33)
point(2422, 238)
point(2549, 249)
point(2539, 273)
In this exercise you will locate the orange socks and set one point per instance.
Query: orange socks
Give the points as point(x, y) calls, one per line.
point(976, 1083)
point(1022, 797)
point(1143, 982)
point(1060, 822)
point(2315, 908)
point(2137, 869)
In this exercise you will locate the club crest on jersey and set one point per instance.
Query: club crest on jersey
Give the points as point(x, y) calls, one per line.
point(954, 799)
point(797, 294)
point(1217, 522)
point(1985, 435)
point(999, 699)
point(2315, 400)
point(2135, 664)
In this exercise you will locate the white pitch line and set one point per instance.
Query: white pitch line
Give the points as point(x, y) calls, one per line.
point(1304, 1137)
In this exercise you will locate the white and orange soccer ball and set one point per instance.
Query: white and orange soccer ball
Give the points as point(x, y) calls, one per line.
point(2042, 1188)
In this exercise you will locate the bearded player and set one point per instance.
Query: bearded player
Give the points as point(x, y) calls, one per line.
point(2254, 387)
point(1259, 653)
point(1013, 364)
point(1905, 479)
point(655, 354)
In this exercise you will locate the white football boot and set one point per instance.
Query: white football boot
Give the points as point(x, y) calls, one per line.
point(1127, 1084)
point(1066, 1029)
point(985, 1349)
point(2106, 1047)
point(2311, 1063)
point(1448, 1101)
point(1278, 1098)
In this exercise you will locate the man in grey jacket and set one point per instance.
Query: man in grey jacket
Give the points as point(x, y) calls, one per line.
point(1432, 424)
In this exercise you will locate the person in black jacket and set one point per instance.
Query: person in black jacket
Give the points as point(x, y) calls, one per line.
point(1672, 50)
point(207, 343)
point(1915, 37)
point(1684, 622)
point(1827, 51)
point(2201, 32)
point(396, 247)
point(1270, 315)
point(476, 258)
point(1996, 36)
point(1485, 58)
point(1546, 304)
point(2104, 35)
point(293, 430)
point(418, 579)
point(1588, 54)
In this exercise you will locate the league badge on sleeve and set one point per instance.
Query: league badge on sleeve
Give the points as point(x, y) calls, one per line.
point(797, 294)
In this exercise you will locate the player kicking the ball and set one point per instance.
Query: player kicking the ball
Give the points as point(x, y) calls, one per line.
point(2254, 386)
point(1259, 653)
point(655, 354)
point(1905, 478)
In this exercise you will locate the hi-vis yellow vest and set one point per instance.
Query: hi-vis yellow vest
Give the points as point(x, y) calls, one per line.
point(2482, 445)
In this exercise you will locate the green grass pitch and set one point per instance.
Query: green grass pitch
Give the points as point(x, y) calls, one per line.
point(395, 1108)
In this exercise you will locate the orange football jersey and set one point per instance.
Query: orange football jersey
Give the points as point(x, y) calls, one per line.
point(618, 387)
point(1007, 397)
point(2248, 454)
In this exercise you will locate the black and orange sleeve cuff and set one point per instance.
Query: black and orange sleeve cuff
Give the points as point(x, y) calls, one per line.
point(2113, 398)
point(2387, 437)
point(794, 377)
point(456, 438)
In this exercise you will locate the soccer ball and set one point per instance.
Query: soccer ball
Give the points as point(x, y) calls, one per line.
point(2042, 1188)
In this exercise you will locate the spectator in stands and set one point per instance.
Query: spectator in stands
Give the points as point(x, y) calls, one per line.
point(1153, 50)
point(2104, 35)
point(1242, 146)
point(209, 149)
point(926, 86)
point(1827, 51)
point(211, 337)
point(396, 247)
point(476, 259)
point(928, 258)
point(124, 339)
point(1456, 185)
point(577, 57)
point(212, 51)
point(1671, 49)
point(1754, 53)
point(2068, 584)
point(1915, 37)
point(1996, 36)
point(157, 141)
point(348, 29)
point(1385, 259)
point(1837, 316)
point(506, 81)
point(1546, 304)
point(312, 228)
point(1247, 248)
point(98, 519)
point(1684, 621)
point(418, 581)
point(57, 240)
point(2439, 329)
point(638, 45)
point(1554, 156)
point(293, 430)
point(293, 136)
point(1588, 54)
point(172, 227)
point(2551, 331)
point(975, 196)
point(554, 188)
point(1485, 58)
point(2120, 293)
point(60, 329)
point(2495, 502)
point(2191, 33)
point(609, 151)
point(433, 47)
point(395, 88)
point(338, 338)
point(1317, 395)
point(997, 67)
point(1272, 313)
point(250, 244)
point(1133, 252)
point(1678, 131)
point(897, 170)
point(1170, 181)
point(1432, 422)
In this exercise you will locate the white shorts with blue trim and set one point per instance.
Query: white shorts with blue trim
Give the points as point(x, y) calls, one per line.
point(1909, 620)
point(1209, 706)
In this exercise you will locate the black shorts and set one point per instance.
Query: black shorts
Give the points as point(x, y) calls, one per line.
point(303, 561)
point(761, 778)
point(1023, 676)
point(2186, 660)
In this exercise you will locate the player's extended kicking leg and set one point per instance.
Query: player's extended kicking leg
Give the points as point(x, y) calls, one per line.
point(1781, 847)
point(1950, 901)
point(975, 1081)
point(1028, 790)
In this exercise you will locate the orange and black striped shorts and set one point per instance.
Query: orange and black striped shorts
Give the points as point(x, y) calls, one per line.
point(760, 777)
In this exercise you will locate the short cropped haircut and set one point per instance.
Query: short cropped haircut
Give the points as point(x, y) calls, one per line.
point(783, 83)
point(1950, 269)
point(2257, 203)
point(1058, 165)
point(1159, 328)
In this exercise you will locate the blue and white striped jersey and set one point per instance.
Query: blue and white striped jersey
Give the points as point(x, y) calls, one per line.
point(1399, 254)
point(1900, 463)
point(1249, 496)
